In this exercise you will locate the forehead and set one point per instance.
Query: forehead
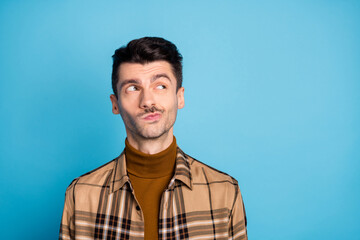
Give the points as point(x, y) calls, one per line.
point(145, 71)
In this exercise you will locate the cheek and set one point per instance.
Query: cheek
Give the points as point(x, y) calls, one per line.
point(124, 109)
point(172, 107)
point(127, 103)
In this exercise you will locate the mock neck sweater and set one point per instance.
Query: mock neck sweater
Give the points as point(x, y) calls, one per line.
point(149, 175)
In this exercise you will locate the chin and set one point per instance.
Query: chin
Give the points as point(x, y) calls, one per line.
point(152, 135)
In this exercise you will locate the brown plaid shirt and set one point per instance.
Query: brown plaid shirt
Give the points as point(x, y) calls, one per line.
point(199, 203)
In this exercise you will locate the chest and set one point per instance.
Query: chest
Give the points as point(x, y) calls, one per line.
point(183, 214)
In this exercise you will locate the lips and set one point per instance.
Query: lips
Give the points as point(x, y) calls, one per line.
point(152, 117)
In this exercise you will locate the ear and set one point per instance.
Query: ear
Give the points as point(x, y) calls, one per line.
point(180, 97)
point(115, 106)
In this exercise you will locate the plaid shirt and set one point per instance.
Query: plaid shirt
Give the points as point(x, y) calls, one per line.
point(199, 203)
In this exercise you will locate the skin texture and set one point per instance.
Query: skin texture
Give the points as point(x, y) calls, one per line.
point(148, 102)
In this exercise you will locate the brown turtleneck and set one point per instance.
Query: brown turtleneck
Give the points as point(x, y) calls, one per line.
point(150, 174)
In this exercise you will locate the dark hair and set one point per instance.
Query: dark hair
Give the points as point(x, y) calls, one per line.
point(145, 50)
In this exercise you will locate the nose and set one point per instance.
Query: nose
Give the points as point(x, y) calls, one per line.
point(146, 99)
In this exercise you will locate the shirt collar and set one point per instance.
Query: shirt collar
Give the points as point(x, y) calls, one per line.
point(182, 168)
point(120, 177)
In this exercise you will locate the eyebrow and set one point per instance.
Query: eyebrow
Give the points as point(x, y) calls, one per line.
point(161, 75)
point(123, 83)
point(135, 81)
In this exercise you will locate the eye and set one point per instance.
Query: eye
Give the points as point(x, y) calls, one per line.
point(161, 86)
point(131, 88)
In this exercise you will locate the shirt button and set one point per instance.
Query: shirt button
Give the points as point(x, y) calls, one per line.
point(138, 208)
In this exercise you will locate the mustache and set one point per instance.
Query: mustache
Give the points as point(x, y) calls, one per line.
point(151, 110)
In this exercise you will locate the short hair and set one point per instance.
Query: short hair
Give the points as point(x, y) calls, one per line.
point(146, 50)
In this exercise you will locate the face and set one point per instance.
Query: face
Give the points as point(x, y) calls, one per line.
point(147, 99)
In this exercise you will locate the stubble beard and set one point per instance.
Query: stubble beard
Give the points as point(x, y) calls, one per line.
point(149, 131)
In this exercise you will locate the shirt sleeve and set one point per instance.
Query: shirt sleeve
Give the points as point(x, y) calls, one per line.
point(237, 221)
point(67, 228)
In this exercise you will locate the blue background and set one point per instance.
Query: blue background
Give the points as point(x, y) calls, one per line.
point(272, 98)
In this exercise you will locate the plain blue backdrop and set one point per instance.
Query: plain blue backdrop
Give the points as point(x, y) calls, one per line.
point(272, 91)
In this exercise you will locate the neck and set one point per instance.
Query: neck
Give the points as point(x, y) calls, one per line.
point(150, 165)
point(150, 146)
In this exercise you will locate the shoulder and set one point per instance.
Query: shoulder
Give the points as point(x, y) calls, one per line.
point(94, 178)
point(204, 174)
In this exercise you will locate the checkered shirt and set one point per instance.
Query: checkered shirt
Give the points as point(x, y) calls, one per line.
point(199, 203)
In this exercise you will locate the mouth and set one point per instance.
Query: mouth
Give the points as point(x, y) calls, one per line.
point(152, 117)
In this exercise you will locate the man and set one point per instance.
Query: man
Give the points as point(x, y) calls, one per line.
point(153, 190)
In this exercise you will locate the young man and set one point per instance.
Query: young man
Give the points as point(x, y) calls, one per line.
point(153, 190)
